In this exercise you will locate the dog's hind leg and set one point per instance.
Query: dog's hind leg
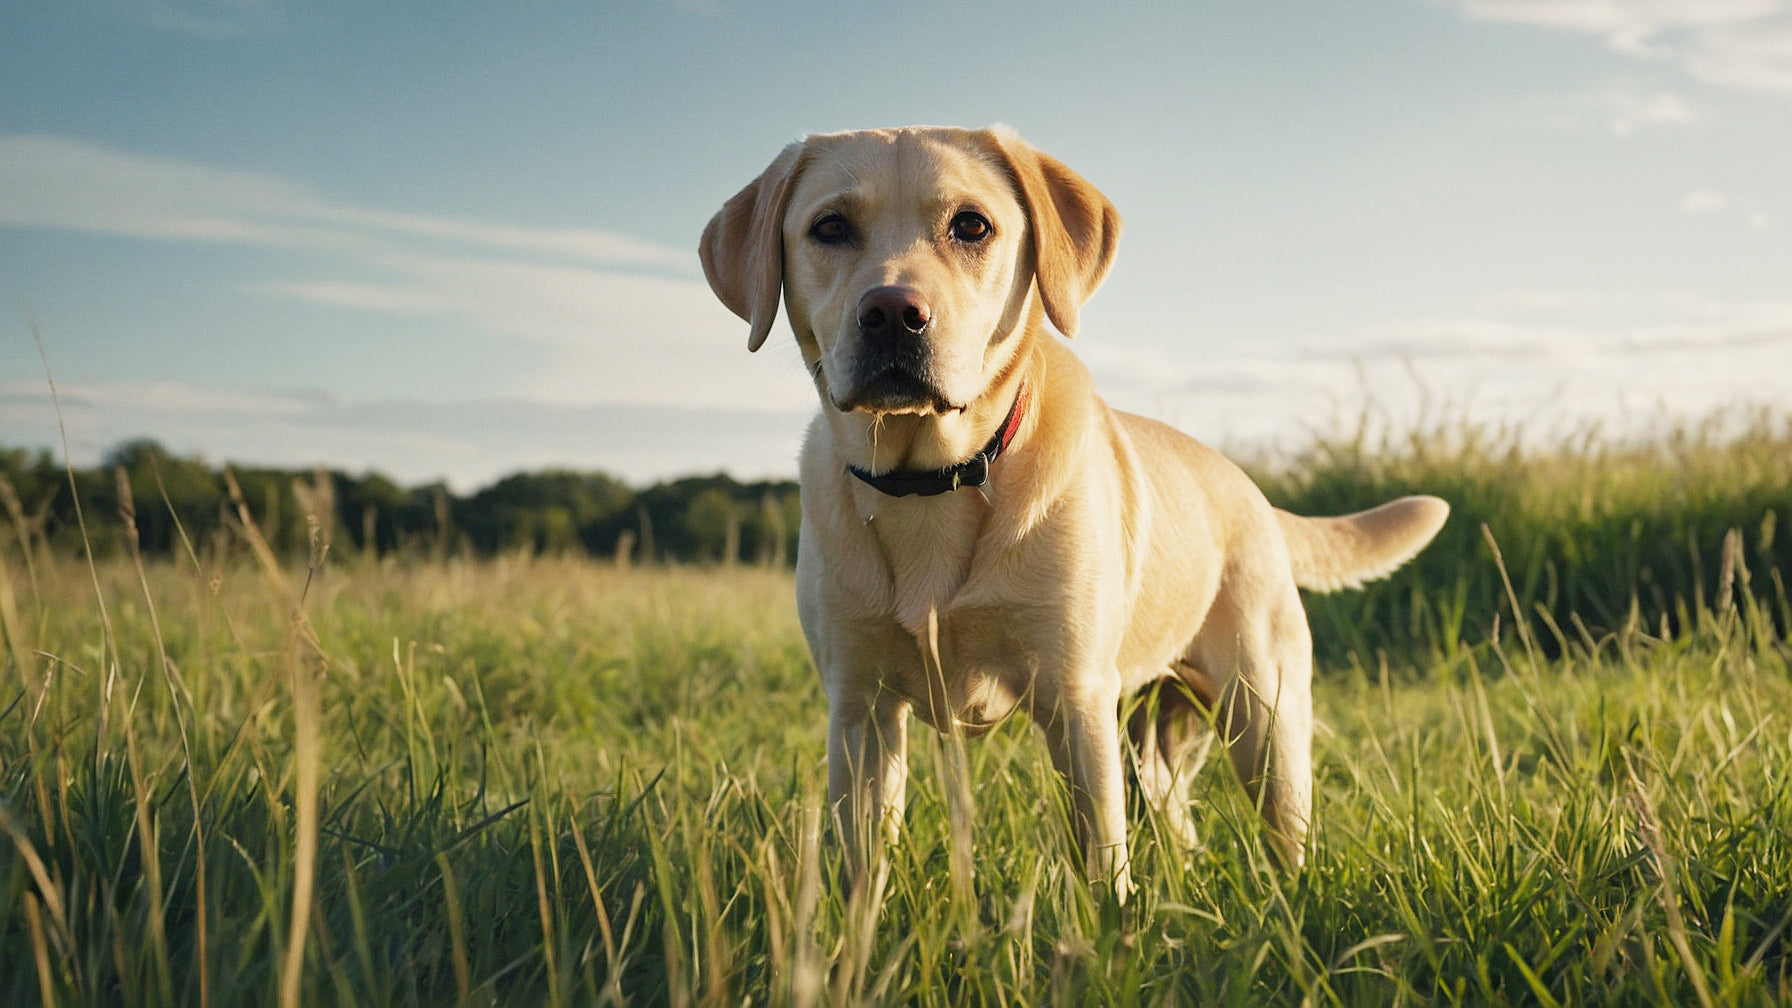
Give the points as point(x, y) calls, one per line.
point(1266, 716)
point(1170, 741)
point(1268, 730)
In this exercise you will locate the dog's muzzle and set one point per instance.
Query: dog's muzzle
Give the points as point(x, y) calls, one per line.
point(890, 374)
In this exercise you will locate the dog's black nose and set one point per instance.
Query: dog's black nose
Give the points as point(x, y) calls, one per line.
point(892, 311)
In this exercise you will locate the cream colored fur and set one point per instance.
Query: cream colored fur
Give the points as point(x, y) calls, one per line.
point(1106, 554)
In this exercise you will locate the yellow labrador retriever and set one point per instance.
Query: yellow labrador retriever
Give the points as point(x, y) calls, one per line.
point(981, 532)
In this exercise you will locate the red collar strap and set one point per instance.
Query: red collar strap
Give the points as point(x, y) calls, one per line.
point(972, 472)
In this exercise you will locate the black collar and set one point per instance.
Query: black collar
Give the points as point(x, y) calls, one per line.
point(972, 472)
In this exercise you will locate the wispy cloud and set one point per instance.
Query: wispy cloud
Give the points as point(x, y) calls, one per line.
point(1744, 44)
point(597, 336)
point(1544, 361)
point(1703, 201)
point(1753, 58)
point(596, 315)
point(59, 182)
point(467, 443)
point(1633, 26)
point(1623, 112)
point(1714, 205)
point(158, 396)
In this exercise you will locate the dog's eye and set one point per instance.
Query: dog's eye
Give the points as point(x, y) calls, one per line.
point(971, 227)
point(831, 229)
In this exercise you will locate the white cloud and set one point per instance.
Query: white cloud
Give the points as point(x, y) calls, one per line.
point(158, 396)
point(1703, 201)
point(66, 183)
point(1719, 206)
point(1628, 25)
point(347, 294)
point(1754, 58)
point(1544, 362)
point(1744, 44)
point(596, 336)
point(1629, 112)
point(596, 316)
point(1621, 111)
point(1596, 326)
point(468, 443)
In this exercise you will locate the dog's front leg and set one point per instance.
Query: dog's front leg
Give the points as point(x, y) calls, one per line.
point(867, 771)
point(1083, 730)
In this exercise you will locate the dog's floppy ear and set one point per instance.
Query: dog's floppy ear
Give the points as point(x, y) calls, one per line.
point(743, 246)
point(1075, 229)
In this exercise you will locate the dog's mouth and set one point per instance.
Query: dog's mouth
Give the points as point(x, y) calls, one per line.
point(893, 390)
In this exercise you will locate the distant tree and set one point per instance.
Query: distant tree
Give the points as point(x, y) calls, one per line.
point(771, 516)
point(171, 494)
point(552, 511)
point(680, 534)
point(268, 492)
point(697, 519)
point(712, 522)
point(380, 516)
point(28, 491)
point(774, 534)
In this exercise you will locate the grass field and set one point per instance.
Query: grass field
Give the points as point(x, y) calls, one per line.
point(521, 781)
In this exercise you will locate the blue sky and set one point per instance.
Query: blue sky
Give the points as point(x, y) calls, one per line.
point(455, 241)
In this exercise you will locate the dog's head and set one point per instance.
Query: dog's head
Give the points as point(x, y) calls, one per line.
point(910, 260)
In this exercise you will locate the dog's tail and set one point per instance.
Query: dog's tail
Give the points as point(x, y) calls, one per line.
point(1343, 552)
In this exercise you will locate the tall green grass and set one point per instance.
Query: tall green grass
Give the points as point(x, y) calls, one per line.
point(226, 781)
point(1598, 536)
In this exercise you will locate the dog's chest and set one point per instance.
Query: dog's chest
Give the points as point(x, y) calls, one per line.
point(928, 547)
point(964, 672)
point(969, 668)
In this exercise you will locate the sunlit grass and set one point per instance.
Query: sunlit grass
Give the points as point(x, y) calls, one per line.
point(1597, 536)
point(546, 781)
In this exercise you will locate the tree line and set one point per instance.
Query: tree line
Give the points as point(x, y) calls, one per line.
point(178, 504)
